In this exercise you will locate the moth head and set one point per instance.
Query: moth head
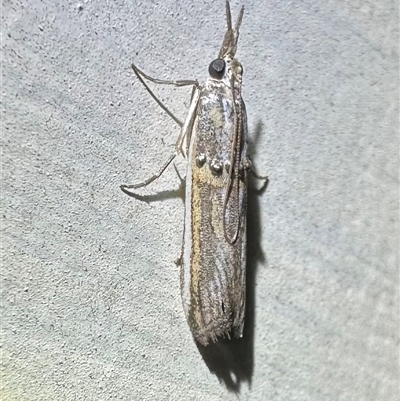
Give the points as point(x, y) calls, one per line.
point(225, 69)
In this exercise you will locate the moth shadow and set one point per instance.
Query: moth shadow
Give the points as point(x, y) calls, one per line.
point(232, 360)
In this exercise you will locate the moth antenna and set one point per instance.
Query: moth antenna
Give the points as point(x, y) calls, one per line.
point(228, 15)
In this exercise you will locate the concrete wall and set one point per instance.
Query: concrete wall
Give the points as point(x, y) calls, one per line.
point(90, 293)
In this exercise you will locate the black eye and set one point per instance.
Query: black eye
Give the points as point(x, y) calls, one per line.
point(217, 68)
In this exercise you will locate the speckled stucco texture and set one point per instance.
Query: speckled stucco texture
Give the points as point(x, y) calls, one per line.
point(90, 295)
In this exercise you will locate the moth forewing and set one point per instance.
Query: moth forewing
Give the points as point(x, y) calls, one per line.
point(214, 253)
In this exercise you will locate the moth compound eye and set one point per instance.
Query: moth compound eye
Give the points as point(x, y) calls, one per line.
point(217, 68)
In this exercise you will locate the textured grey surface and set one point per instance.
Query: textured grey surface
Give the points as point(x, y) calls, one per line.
point(90, 294)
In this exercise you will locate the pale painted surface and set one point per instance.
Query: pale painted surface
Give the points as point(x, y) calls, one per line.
point(90, 293)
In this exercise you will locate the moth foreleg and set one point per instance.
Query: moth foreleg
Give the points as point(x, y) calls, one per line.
point(180, 82)
point(140, 74)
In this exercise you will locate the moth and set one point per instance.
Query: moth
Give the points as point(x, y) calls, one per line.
point(214, 139)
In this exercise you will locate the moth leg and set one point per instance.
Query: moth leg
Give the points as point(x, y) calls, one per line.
point(186, 127)
point(162, 169)
point(181, 82)
point(181, 179)
point(259, 177)
point(149, 180)
point(248, 166)
point(140, 74)
point(185, 133)
point(178, 261)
